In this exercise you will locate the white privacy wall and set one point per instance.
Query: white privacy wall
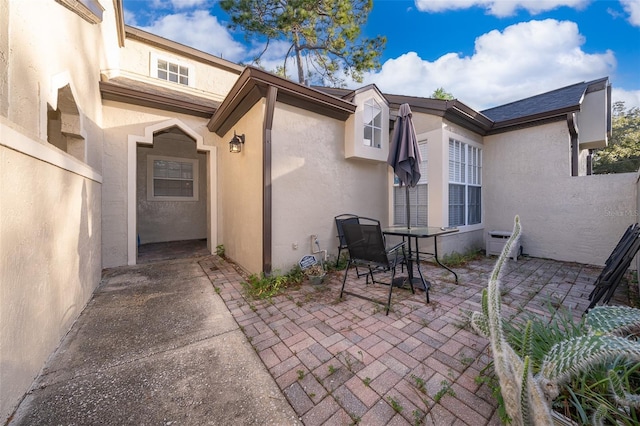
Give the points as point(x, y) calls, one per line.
point(576, 219)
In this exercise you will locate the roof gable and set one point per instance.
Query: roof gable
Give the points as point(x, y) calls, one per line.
point(252, 85)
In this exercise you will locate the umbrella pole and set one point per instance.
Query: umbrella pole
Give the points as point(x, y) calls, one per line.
point(408, 207)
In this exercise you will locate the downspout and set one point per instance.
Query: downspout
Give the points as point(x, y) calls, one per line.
point(267, 226)
point(573, 132)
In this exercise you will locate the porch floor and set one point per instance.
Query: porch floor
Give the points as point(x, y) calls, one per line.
point(343, 362)
point(175, 341)
point(157, 252)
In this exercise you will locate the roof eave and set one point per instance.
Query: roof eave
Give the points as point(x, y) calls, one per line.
point(533, 120)
point(252, 85)
point(181, 49)
point(113, 92)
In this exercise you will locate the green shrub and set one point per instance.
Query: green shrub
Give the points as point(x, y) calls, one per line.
point(265, 287)
point(456, 260)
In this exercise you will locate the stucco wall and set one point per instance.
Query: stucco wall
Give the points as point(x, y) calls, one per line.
point(577, 219)
point(49, 261)
point(313, 183)
point(240, 192)
point(46, 40)
point(4, 58)
point(209, 81)
point(50, 203)
point(171, 220)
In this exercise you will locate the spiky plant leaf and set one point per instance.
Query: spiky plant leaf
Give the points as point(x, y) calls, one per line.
point(485, 302)
point(620, 394)
point(576, 355)
point(526, 339)
point(494, 304)
point(525, 401)
point(612, 319)
point(599, 415)
point(480, 323)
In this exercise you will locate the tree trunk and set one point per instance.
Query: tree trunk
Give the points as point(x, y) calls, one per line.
point(296, 42)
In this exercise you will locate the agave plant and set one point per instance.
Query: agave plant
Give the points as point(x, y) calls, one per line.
point(528, 396)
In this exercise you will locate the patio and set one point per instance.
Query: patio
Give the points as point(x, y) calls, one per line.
point(345, 362)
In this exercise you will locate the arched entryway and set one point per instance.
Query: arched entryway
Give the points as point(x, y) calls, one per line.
point(170, 190)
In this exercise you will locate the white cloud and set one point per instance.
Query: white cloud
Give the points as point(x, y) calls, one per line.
point(632, 7)
point(177, 4)
point(130, 18)
point(523, 60)
point(186, 4)
point(500, 8)
point(631, 98)
point(200, 30)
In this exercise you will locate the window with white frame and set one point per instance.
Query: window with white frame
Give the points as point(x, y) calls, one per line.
point(172, 179)
point(372, 123)
point(465, 184)
point(89, 10)
point(172, 70)
point(418, 196)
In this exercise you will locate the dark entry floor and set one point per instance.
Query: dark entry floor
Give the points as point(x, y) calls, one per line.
point(156, 252)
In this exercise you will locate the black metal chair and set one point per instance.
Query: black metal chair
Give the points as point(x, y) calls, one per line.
point(340, 220)
point(366, 246)
point(616, 266)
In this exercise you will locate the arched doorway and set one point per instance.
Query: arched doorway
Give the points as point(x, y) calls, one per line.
point(171, 182)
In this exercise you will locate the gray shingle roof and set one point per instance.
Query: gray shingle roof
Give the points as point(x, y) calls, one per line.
point(568, 97)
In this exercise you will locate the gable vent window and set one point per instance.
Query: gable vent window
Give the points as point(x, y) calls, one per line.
point(172, 179)
point(172, 70)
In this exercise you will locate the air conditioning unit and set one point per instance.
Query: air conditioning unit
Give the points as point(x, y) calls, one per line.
point(496, 241)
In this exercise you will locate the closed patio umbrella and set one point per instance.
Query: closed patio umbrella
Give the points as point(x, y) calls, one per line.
point(404, 153)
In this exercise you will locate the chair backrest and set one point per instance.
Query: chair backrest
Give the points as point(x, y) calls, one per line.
point(340, 221)
point(365, 243)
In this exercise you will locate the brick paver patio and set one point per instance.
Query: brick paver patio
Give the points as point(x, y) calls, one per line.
point(345, 362)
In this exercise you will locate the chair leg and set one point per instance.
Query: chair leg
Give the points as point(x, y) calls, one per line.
point(393, 274)
point(344, 280)
point(338, 259)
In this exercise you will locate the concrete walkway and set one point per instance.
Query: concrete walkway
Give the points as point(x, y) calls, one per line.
point(156, 346)
point(178, 343)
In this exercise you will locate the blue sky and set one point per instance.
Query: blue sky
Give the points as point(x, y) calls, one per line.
point(485, 52)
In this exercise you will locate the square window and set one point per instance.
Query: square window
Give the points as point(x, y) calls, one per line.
point(172, 179)
point(171, 70)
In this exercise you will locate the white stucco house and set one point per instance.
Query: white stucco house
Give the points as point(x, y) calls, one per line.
point(112, 137)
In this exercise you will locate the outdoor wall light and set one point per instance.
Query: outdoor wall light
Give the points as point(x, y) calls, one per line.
point(236, 143)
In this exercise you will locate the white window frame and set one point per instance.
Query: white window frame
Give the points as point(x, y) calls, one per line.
point(153, 69)
point(150, 178)
point(89, 10)
point(465, 171)
point(371, 105)
point(414, 193)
